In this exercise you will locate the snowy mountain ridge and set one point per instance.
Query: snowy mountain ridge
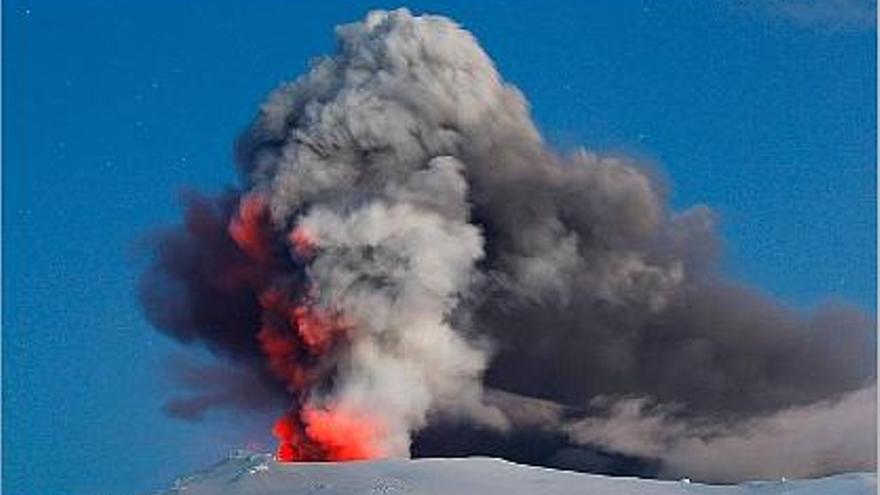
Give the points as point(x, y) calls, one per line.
point(260, 474)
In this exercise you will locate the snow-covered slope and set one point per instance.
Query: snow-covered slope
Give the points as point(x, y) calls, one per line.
point(259, 474)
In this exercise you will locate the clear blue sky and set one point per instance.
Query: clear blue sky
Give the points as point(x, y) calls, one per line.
point(763, 110)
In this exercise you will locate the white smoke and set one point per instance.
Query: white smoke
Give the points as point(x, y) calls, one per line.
point(366, 159)
point(376, 142)
point(462, 250)
point(395, 266)
point(825, 437)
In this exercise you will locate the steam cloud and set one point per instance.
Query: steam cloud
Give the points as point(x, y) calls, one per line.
point(405, 256)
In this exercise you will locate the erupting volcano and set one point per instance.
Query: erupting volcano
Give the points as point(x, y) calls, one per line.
point(297, 337)
point(406, 267)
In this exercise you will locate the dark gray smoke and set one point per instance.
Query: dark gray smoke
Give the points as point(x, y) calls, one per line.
point(477, 263)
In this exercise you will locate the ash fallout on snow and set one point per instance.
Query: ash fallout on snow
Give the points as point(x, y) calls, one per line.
point(409, 269)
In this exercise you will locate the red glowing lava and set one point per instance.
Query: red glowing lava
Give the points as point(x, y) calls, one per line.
point(343, 436)
point(294, 331)
point(303, 242)
point(296, 336)
point(249, 227)
point(318, 329)
point(281, 343)
point(326, 435)
point(293, 445)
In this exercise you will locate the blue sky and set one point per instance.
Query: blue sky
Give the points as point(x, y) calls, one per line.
point(764, 110)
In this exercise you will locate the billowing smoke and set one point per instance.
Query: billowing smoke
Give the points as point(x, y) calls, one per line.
point(404, 257)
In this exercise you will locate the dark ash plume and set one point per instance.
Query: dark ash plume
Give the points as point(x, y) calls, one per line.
point(401, 186)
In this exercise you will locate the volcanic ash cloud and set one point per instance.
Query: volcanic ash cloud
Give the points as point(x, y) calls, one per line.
point(402, 241)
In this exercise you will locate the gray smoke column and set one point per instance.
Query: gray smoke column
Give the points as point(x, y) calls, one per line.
point(404, 249)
